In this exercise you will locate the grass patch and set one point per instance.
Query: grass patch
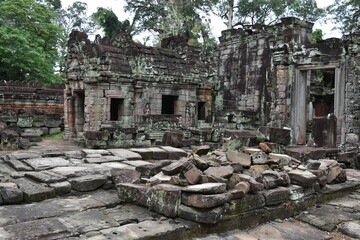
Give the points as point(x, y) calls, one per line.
point(59, 135)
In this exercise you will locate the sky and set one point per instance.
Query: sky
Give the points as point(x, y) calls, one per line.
point(217, 26)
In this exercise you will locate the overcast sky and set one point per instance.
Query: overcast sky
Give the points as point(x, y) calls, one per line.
point(118, 7)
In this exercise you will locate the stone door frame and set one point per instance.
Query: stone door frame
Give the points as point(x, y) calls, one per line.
point(299, 102)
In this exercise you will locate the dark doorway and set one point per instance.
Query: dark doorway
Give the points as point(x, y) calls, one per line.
point(168, 104)
point(201, 110)
point(79, 107)
point(116, 108)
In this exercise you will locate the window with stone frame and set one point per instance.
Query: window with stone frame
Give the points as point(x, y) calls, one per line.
point(116, 108)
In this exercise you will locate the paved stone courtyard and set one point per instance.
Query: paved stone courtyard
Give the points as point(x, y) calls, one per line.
point(70, 195)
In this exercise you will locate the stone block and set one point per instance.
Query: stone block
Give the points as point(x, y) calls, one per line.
point(19, 165)
point(302, 178)
point(32, 137)
point(221, 172)
point(153, 168)
point(259, 158)
point(247, 203)
point(125, 176)
point(209, 215)
point(34, 192)
point(174, 153)
point(54, 130)
point(132, 193)
point(61, 188)
point(276, 196)
point(88, 182)
point(25, 121)
point(205, 201)
point(159, 153)
point(173, 138)
point(193, 175)
point(45, 177)
point(164, 199)
point(24, 143)
point(146, 153)
point(206, 188)
point(200, 150)
point(46, 163)
point(238, 157)
point(10, 194)
point(124, 153)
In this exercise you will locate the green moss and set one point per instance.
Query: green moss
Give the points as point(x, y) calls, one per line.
point(59, 135)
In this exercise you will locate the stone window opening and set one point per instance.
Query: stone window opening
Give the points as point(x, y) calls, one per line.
point(168, 104)
point(116, 108)
point(201, 111)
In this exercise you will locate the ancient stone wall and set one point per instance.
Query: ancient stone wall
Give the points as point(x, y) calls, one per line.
point(137, 90)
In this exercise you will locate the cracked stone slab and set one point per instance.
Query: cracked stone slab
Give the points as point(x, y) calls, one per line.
point(351, 229)
point(90, 220)
point(45, 177)
point(82, 170)
point(326, 217)
point(104, 159)
point(19, 165)
point(23, 155)
point(96, 151)
point(209, 215)
point(124, 153)
point(137, 163)
point(206, 188)
point(46, 163)
point(117, 165)
point(126, 213)
point(288, 231)
point(146, 153)
point(158, 153)
point(49, 228)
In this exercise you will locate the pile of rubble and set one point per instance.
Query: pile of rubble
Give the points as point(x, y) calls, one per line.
point(202, 186)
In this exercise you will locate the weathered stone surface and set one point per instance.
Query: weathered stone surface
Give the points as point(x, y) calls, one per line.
point(209, 215)
point(10, 194)
point(193, 175)
point(302, 178)
point(159, 153)
point(91, 220)
point(238, 157)
point(50, 228)
point(265, 147)
point(137, 163)
point(173, 168)
point(45, 176)
point(259, 158)
point(23, 155)
point(200, 150)
point(199, 162)
point(132, 193)
point(146, 153)
point(24, 143)
point(175, 180)
point(152, 168)
point(334, 172)
point(164, 199)
point(260, 168)
point(174, 153)
point(276, 196)
point(206, 188)
point(255, 186)
point(205, 201)
point(313, 164)
point(326, 217)
point(352, 229)
point(34, 192)
point(46, 163)
point(243, 187)
point(32, 137)
point(117, 165)
point(124, 153)
point(87, 183)
point(173, 138)
point(95, 151)
point(104, 159)
point(61, 188)
point(125, 176)
point(19, 165)
point(222, 172)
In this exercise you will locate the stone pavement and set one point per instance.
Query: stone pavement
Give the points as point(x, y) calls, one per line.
point(70, 195)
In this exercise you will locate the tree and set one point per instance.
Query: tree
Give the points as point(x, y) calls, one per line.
point(108, 20)
point(345, 13)
point(316, 36)
point(74, 17)
point(28, 42)
point(251, 12)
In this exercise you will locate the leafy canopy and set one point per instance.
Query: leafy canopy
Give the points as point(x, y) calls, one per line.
point(108, 20)
point(28, 42)
point(345, 13)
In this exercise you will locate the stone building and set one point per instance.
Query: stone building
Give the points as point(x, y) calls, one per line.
point(119, 92)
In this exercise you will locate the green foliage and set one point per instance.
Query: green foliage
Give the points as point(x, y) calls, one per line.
point(251, 12)
point(108, 20)
point(316, 36)
point(29, 41)
point(59, 135)
point(175, 17)
point(345, 14)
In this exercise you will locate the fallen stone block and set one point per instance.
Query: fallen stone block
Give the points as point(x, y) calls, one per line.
point(173, 168)
point(193, 175)
point(199, 162)
point(175, 153)
point(124, 153)
point(19, 165)
point(164, 199)
point(222, 172)
point(87, 183)
point(259, 158)
point(125, 176)
point(255, 186)
point(243, 187)
point(238, 157)
point(104, 159)
point(45, 177)
point(351, 229)
point(158, 153)
point(247, 203)
point(146, 153)
point(173, 138)
point(206, 188)
point(152, 168)
point(200, 150)
point(61, 188)
point(210, 215)
point(276, 196)
point(132, 193)
point(302, 178)
point(10, 193)
point(34, 192)
point(32, 137)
